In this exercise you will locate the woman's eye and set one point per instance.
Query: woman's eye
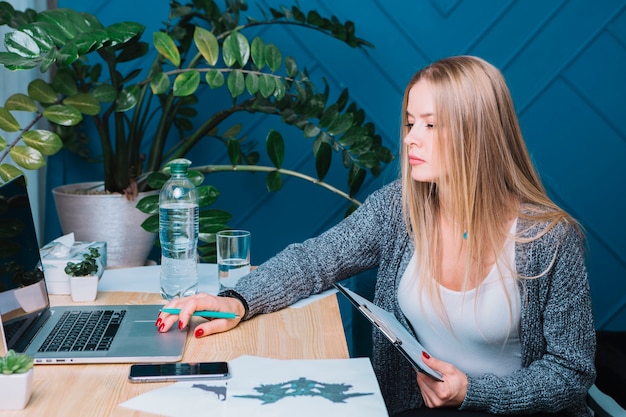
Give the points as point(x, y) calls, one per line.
point(409, 125)
point(430, 125)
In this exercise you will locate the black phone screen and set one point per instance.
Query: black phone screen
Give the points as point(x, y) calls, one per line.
point(181, 370)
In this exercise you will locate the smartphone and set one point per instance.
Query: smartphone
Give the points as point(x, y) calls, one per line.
point(180, 371)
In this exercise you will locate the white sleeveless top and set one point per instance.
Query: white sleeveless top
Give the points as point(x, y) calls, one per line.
point(483, 331)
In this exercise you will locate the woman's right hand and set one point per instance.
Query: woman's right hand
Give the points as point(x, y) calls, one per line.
point(198, 302)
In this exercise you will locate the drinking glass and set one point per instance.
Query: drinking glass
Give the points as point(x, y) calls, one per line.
point(233, 256)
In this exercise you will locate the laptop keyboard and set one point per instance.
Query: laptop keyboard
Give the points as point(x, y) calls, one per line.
point(84, 331)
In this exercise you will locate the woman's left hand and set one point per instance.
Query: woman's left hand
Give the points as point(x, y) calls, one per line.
point(447, 393)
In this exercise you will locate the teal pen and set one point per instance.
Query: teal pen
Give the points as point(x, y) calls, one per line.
point(209, 314)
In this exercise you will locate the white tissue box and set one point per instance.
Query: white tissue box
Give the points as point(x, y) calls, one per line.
point(54, 262)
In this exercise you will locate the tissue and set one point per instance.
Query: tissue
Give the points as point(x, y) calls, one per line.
point(55, 256)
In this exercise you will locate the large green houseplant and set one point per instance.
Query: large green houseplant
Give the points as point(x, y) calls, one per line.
point(144, 117)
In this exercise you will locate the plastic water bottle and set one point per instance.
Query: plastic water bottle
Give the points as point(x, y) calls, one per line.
point(178, 233)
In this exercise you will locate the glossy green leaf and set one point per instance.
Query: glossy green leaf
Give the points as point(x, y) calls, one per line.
point(15, 62)
point(280, 89)
point(41, 91)
point(3, 143)
point(151, 224)
point(64, 83)
point(55, 31)
point(323, 157)
point(122, 32)
point(159, 83)
point(236, 49)
point(342, 100)
point(298, 15)
point(234, 151)
point(340, 124)
point(274, 57)
point(27, 157)
point(214, 78)
point(207, 195)
point(266, 85)
point(133, 52)
point(8, 123)
point(38, 32)
point(63, 115)
point(384, 154)
point(104, 93)
point(311, 130)
point(196, 177)
point(314, 106)
point(67, 55)
point(166, 47)
point(186, 83)
point(46, 142)
point(149, 204)
point(252, 83)
point(58, 18)
point(9, 172)
point(257, 51)
point(48, 61)
point(356, 176)
point(275, 147)
point(20, 102)
point(85, 42)
point(352, 135)
point(207, 45)
point(368, 160)
point(236, 83)
point(214, 216)
point(274, 181)
point(156, 180)
point(329, 115)
point(127, 98)
point(84, 102)
point(22, 44)
point(291, 66)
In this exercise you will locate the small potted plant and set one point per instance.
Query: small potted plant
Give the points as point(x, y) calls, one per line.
point(16, 380)
point(84, 276)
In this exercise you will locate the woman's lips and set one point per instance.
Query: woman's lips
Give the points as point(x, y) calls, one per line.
point(414, 160)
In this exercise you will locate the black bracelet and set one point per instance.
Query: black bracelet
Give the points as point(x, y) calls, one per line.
point(235, 294)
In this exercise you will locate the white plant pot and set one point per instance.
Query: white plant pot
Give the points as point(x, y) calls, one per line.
point(84, 288)
point(15, 390)
point(109, 218)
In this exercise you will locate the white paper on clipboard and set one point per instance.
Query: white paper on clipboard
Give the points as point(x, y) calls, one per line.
point(387, 323)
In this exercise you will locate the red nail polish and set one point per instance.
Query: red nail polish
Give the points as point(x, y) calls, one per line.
point(426, 355)
point(161, 327)
point(180, 325)
point(158, 322)
point(199, 332)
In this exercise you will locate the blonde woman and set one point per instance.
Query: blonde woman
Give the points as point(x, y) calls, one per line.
point(473, 258)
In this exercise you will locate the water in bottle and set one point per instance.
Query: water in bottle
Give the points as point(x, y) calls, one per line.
point(178, 233)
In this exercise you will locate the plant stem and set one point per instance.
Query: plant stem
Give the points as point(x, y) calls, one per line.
point(210, 169)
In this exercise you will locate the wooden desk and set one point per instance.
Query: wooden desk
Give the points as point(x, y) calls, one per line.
point(311, 332)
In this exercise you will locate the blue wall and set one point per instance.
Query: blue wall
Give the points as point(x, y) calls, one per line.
point(565, 62)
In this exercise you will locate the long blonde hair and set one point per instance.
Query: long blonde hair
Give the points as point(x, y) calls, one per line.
point(489, 173)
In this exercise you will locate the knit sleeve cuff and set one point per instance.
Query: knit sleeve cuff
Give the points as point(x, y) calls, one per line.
point(235, 294)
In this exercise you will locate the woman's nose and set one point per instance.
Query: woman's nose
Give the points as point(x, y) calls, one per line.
point(412, 138)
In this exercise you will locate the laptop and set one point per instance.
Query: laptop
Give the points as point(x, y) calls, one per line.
point(66, 334)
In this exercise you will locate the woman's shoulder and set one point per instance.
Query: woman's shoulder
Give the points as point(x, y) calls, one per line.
point(545, 228)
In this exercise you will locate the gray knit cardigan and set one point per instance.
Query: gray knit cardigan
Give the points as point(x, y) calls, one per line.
point(556, 330)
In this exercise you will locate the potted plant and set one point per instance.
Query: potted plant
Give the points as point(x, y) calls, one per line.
point(143, 119)
point(16, 380)
point(84, 276)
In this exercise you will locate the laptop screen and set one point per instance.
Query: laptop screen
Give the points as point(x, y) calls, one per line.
point(23, 294)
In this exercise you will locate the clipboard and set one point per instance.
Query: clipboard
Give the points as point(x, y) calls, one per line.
point(389, 326)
